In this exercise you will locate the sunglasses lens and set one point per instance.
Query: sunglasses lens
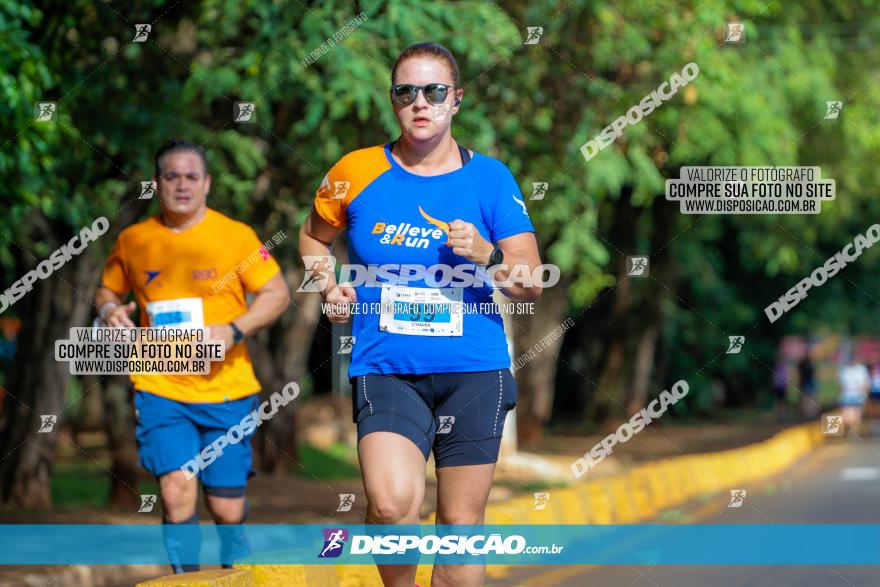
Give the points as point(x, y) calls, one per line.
point(436, 93)
point(404, 94)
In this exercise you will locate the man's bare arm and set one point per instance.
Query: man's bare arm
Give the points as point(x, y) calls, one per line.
point(270, 302)
point(111, 309)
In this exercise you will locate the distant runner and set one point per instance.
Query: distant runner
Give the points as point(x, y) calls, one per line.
point(855, 382)
point(170, 263)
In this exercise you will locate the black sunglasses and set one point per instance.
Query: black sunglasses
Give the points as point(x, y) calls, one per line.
point(405, 94)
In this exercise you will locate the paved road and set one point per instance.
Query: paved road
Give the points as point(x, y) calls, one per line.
point(837, 483)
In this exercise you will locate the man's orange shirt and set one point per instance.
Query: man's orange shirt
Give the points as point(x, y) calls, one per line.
point(218, 260)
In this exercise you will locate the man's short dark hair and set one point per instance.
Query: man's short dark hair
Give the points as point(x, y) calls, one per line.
point(176, 145)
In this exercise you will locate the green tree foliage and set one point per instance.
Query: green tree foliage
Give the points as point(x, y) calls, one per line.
point(532, 106)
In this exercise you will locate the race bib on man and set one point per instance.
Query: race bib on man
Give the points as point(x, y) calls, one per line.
point(421, 311)
point(179, 313)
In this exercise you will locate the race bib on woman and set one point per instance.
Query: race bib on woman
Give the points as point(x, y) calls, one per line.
point(421, 311)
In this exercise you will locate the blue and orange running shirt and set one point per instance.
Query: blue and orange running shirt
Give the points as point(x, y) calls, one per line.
point(395, 217)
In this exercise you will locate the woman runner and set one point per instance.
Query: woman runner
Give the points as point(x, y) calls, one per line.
point(430, 370)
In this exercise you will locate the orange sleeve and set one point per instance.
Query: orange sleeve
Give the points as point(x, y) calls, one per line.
point(115, 276)
point(259, 266)
point(346, 180)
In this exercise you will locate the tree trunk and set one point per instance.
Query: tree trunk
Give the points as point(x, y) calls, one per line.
point(644, 366)
point(38, 384)
point(663, 222)
point(281, 357)
point(89, 413)
point(612, 335)
point(536, 379)
point(633, 308)
point(119, 424)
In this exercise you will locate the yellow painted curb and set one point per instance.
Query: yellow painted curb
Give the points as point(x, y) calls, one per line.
point(635, 496)
point(221, 578)
point(357, 575)
point(598, 501)
point(621, 497)
point(645, 505)
point(292, 575)
point(368, 576)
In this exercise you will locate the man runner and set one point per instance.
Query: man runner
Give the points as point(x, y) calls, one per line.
point(170, 263)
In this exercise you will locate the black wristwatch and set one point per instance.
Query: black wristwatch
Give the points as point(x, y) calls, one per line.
point(496, 257)
point(237, 335)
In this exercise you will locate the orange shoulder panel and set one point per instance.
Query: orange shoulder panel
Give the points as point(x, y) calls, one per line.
point(346, 180)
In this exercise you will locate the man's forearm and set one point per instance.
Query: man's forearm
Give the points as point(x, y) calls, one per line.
point(264, 310)
point(104, 295)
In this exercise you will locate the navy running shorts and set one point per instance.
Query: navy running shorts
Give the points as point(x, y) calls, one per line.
point(460, 416)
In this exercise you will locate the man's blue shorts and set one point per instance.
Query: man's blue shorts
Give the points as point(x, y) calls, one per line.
point(171, 433)
point(458, 415)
